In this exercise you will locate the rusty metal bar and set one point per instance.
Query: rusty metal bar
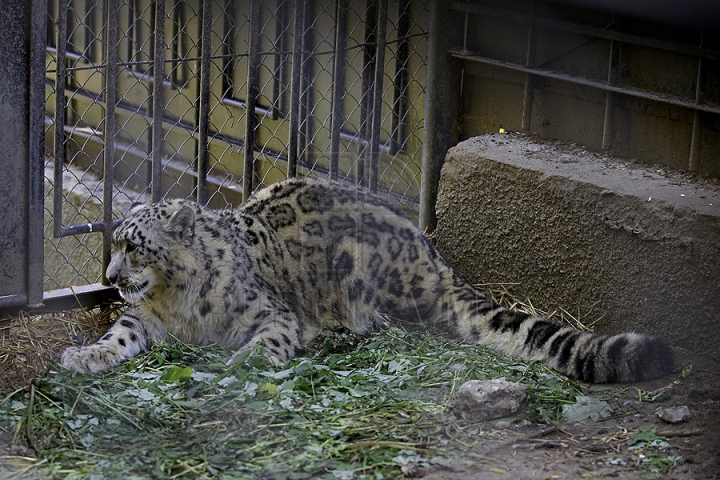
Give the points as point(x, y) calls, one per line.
point(157, 105)
point(377, 98)
point(251, 101)
point(298, 35)
point(336, 116)
point(203, 118)
point(109, 130)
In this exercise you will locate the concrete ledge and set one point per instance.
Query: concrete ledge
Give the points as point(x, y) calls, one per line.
point(610, 239)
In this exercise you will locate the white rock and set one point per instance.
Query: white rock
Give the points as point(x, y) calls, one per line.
point(480, 400)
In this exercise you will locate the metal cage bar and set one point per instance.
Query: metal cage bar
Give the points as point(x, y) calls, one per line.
point(204, 99)
point(377, 95)
point(109, 131)
point(157, 105)
point(251, 101)
point(336, 119)
point(298, 38)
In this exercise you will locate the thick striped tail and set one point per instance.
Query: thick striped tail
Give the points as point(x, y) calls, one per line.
point(594, 358)
point(586, 356)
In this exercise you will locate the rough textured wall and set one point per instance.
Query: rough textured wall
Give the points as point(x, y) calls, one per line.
point(628, 243)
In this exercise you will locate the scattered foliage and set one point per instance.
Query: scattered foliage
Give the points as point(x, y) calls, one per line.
point(354, 407)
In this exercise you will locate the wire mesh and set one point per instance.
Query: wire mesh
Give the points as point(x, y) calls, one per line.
point(213, 100)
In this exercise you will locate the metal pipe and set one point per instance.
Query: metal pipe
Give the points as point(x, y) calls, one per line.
point(295, 87)
point(252, 94)
point(378, 95)
point(109, 131)
point(59, 118)
point(158, 106)
point(204, 110)
point(585, 82)
point(336, 118)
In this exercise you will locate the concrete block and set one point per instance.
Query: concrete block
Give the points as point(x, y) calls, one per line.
point(602, 238)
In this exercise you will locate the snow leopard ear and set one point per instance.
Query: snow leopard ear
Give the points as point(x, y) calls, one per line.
point(135, 207)
point(182, 223)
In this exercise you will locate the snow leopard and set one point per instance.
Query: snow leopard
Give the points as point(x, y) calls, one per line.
point(303, 255)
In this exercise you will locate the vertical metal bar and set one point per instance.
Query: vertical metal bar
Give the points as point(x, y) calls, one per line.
point(306, 84)
point(336, 119)
point(59, 118)
point(607, 136)
point(366, 98)
point(36, 152)
point(694, 161)
point(251, 101)
point(378, 95)
point(109, 130)
point(158, 106)
point(400, 82)
point(442, 95)
point(295, 87)
point(204, 110)
point(529, 80)
point(279, 60)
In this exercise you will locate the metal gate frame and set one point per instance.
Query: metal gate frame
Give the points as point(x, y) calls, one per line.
point(439, 134)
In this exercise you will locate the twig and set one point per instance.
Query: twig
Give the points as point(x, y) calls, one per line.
point(680, 433)
point(524, 438)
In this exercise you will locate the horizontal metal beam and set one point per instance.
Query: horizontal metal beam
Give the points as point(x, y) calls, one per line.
point(86, 296)
point(667, 99)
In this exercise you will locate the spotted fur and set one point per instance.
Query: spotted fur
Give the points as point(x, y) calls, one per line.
point(303, 255)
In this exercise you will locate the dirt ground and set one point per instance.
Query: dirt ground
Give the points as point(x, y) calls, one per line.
point(589, 449)
point(600, 449)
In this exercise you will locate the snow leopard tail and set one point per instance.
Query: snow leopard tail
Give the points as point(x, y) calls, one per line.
point(586, 356)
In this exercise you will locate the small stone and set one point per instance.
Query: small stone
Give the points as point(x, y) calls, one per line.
point(503, 425)
point(480, 400)
point(674, 414)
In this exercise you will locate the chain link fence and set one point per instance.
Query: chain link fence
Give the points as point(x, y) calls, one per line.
point(213, 100)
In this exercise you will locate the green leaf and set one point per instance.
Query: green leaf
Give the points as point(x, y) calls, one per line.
point(176, 374)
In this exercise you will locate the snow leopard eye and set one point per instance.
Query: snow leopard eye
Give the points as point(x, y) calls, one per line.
point(130, 247)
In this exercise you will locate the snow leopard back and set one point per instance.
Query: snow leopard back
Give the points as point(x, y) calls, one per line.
point(306, 254)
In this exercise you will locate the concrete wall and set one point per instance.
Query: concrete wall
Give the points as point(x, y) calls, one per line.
point(639, 248)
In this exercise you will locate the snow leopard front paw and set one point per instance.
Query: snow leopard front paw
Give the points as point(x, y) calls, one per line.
point(90, 359)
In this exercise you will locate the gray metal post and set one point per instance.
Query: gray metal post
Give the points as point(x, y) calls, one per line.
point(442, 102)
point(16, 164)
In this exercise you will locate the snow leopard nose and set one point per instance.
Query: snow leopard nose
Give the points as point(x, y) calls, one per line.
point(111, 276)
point(113, 269)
